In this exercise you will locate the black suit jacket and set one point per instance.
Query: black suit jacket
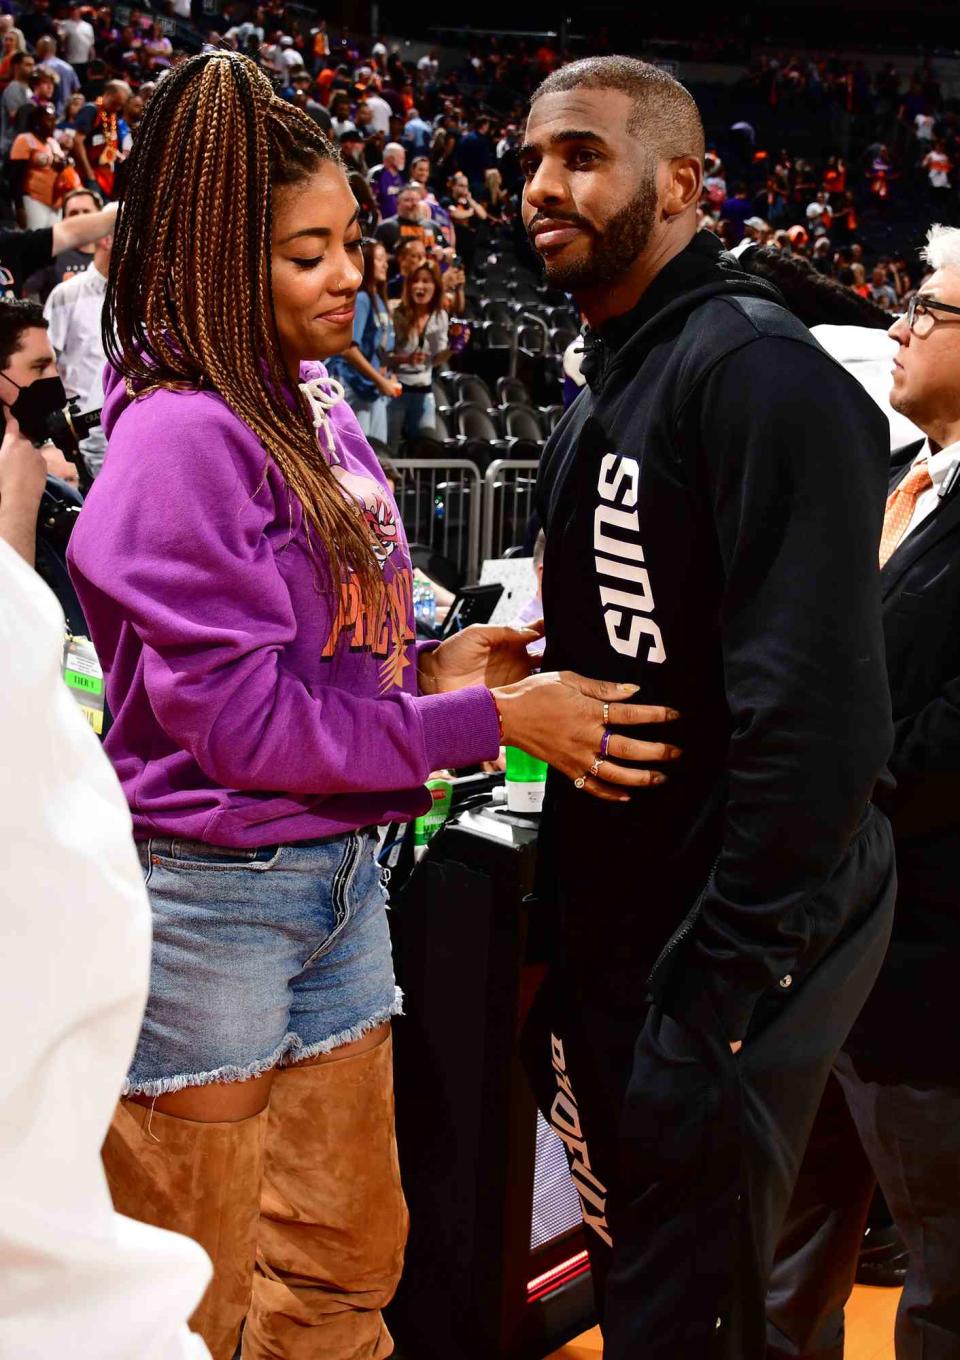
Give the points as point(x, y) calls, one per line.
point(908, 1028)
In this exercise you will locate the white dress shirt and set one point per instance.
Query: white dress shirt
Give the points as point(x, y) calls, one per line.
point(940, 466)
point(76, 1278)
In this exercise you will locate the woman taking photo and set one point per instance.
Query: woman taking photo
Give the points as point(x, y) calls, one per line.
point(248, 588)
point(422, 344)
point(367, 388)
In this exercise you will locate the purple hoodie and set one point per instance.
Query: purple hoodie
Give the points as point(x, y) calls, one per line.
point(251, 707)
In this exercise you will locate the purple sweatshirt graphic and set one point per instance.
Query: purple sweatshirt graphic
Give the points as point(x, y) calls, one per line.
point(251, 707)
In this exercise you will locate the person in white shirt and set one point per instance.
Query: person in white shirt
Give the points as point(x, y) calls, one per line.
point(289, 58)
point(428, 66)
point(379, 107)
point(79, 40)
point(73, 312)
point(76, 1279)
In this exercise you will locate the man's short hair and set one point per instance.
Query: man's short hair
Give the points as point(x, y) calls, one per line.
point(942, 250)
point(82, 193)
point(664, 112)
point(18, 58)
point(394, 149)
point(17, 316)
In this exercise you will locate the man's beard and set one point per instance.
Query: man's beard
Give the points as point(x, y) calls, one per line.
point(613, 250)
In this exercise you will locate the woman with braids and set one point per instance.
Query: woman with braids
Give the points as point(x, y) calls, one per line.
point(248, 587)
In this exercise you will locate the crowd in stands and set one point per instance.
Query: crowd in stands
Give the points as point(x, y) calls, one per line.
point(431, 148)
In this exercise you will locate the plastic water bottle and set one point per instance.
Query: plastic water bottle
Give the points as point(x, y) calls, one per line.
point(526, 781)
point(424, 602)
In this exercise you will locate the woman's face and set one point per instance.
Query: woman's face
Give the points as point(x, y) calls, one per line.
point(381, 264)
point(77, 102)
point(9, 43)
point(317, 265)
point(422, 288)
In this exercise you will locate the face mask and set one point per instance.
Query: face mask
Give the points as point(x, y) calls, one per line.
point(35, 405)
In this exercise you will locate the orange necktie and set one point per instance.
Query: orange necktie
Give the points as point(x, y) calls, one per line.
point(900, 505)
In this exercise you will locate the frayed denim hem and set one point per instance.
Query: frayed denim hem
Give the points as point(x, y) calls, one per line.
point(290, 1050)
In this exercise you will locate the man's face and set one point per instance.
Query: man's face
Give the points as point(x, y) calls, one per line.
point(590, 192)
point(407, 203)
point(412, 258)
point(32, 360)
point(879, 276)
point(26, 69)
point(80, 206)
point(364, 116)
point(925, 369)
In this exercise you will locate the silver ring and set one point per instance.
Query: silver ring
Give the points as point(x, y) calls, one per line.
point(606, 715)
point(579, 783)
point(595, 768)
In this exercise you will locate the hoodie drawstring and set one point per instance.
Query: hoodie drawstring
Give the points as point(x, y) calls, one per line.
point(322, 395)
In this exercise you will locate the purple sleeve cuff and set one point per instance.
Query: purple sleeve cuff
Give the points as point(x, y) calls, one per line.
point(460, 728)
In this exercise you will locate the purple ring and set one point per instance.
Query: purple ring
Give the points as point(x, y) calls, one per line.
point(605, 743)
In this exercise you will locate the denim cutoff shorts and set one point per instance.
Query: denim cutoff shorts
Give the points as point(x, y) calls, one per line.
point(260, 958)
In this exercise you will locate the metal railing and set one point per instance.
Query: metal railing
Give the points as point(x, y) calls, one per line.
point(507, 504)
point(440, 504)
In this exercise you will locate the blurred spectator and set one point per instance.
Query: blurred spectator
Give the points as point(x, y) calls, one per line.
point(422, 342)
point(736, 210)
point(495, 198)
point(938, 166)
point(74, 314)
point(352, 151)
point(390, 179)
point(408, 222)
point(411, 253)
point(79, 41)
point(417, 133)
point(379, 109)
point(303, 84)
point(475, 154)
point(15, 96)
point(67, 80)
point(368, 387)
point(755, 229)
point(467, 216)
point(102, 137)
point(420, 175)
point(158, 49)
point(40, 174)
point(880, 290)
point(340, 115)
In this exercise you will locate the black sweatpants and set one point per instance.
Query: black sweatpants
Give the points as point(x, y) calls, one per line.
point(684, 1155)
point(908, 1138)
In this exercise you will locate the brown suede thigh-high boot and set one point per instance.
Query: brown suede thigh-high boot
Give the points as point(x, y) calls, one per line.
point(333, 1220)
point(202, 1180)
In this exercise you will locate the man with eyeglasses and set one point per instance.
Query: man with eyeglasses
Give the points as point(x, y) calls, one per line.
point(892, 1111)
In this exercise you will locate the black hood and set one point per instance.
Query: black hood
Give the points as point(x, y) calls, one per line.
point(703, 270)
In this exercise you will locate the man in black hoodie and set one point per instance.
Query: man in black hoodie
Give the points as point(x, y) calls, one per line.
point(713, 503)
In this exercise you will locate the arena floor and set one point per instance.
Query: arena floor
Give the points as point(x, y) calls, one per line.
point(870, 1318)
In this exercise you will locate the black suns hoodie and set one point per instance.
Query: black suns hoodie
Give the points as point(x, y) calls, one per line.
point(713, 502)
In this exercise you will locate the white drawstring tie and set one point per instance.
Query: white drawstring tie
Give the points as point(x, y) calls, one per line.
point(323, 394)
